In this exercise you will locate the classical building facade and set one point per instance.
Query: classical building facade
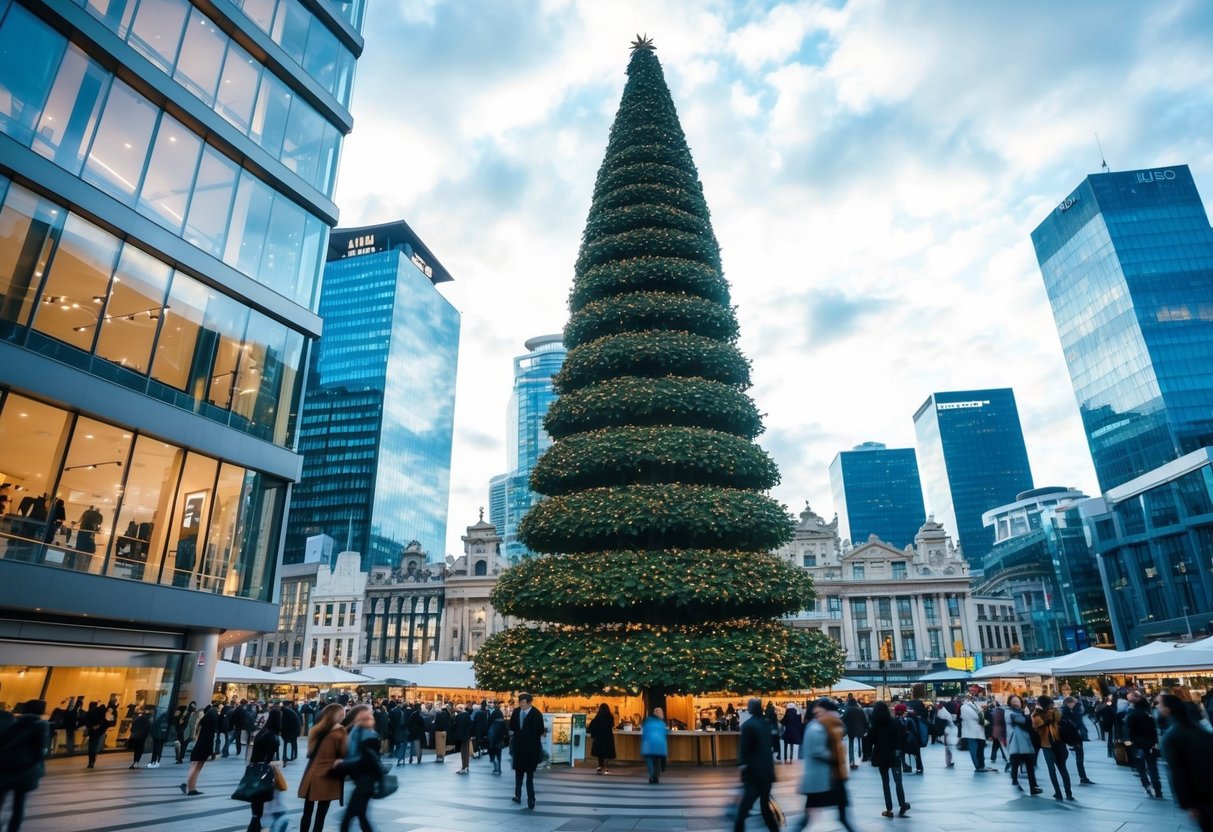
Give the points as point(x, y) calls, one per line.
point(919, 598)
point(404, 605)
point(469, 618)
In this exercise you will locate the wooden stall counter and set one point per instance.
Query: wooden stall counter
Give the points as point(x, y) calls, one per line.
point(698, 747)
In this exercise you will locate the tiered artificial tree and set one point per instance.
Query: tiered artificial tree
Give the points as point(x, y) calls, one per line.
point(658, 577)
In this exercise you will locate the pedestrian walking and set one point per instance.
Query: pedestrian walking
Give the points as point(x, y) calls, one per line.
point(1142, 742)
point(442, 726)
point(793, 733)
point(973, 732)
point(96, 724)
point(1188, 750)
point(856, 722)
point(498, 737)
point(602, 731)
point(823, 782)
point(1045, 720)
point(204, 746)
point(292, 726)
point(161, 728)
point(23, 747)
point(910, 747)
point(480, 730)
point(1021, 743)
point(141, 729)
point(327, 743)
point(948, 732)
point(526, 747)
point(772, 719)
point(884, 733)
point(361, 766)
point(416, 734)
point(267, 747)
point(998, 735)
point(757, 768)
point(654, 743)
point(1074, 734)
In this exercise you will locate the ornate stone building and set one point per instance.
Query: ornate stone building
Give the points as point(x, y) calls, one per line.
point(919, 598)
point(333, 631)
point(469, 618)
point(404, 605)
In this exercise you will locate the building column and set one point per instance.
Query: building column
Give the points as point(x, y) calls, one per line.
point(198, 682)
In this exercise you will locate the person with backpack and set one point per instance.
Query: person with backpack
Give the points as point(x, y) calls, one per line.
point(1074, 734)
point(23, 758)
point(1046, 720)
point(1021, 743)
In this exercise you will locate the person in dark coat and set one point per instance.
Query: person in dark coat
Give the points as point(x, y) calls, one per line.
point(757, 768)
point(884, 734)
point(181, 721)
point(461, 737)
point(397, 725)
point(526, 747)
point(266, 748)
point(204, 745)
point(498, 737)
point(415, 726)
point(856, 723)
point(97, 722)
point(292, 726)
point(772, 719)
point(1188, 750)
point(361, 766)
point(602, 731)
point(442, 726)
point(1142, 741)
point(480, 729)
point(383, 722)
point(23, 758)
point(161, 723)
point(793, 733)
point(141, 729)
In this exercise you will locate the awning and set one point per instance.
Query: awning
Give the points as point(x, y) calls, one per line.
point(1171, 659)
point(232, 672)
point(847, 686)
point(428, 675)
point(948, 675)
point(1004, 670)
point(323, 674)
point(1058, 665)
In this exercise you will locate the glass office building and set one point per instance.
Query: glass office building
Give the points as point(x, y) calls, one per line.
point(380, 408)
point(510, 494)
point(1042, 561)
point(166, 179)
point(877, 492)
point(972, 458)
point(1127, 260)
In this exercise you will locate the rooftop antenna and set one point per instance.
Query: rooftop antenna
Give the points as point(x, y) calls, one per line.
point(1103, 163)
point(349, 536)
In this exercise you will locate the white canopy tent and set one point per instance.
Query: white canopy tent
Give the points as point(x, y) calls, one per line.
point(232, 672)
point(1204, 643)
point(322, 674)
point(1003, 670)
point(847, 686)
point(428, 675)
point(1058, 665)
point(1173, 659)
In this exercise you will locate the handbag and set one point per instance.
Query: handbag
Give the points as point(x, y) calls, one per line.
point(776, 812)
point(256, 784)
point(962, 744)
point(386, 785)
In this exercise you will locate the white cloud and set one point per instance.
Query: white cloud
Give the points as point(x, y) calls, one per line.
point(890, 158)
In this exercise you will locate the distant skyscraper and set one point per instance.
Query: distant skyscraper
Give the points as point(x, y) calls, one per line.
point(877, 491)
point(1127, 260)
point(972, 458)
point(379, 411)
point(510, 494)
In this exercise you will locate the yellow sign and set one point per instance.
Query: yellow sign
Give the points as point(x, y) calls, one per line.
point(962, 664)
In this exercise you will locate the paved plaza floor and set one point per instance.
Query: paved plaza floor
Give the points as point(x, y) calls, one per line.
point(433, 798)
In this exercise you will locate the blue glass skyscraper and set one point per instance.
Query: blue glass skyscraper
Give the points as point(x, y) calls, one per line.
point(510, 494)
point(1127, 260)
point(877, 491)
point(972, 458)
point(379, 413)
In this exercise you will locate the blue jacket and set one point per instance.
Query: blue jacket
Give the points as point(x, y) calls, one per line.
point(653, 738)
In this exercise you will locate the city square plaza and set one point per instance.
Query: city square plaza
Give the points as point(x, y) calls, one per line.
point(431, 798)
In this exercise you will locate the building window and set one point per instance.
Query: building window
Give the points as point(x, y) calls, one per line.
point(836, 634)
point(834, 606)
point(328, 617)
point(905, 611)
point(930, 610)
point(981, 612)
point(354, 614)
point(899, 570)
point(909, 650)
point(953, 607)
point(936, 643)
point(808, 560)
point(857, 571)
point(884, 612)
point(863, 640)
point(859, 612)
point(316, 616)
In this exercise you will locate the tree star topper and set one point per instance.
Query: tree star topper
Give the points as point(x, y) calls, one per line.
point(643, 42)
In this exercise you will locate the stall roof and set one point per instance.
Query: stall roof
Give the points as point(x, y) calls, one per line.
point(1056, 665)
point(1172, 659)
point(948, 675)
point(428, 675)
point(322, 674)
point(847, 686)
point(1003, 670)
point(232, 672)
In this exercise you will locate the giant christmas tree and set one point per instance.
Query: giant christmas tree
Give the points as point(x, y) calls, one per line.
point(657, 521)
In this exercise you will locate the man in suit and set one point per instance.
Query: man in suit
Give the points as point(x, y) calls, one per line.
point(526, 747)
point(757, 768)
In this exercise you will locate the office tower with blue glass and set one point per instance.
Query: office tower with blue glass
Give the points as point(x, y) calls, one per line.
point(1127, 261)
point(166, 181)
point(972, 458)
point(380, 406)
point(510, 494)
point(877, 492)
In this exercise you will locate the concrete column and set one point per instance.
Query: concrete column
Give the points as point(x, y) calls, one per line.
point(198, 680)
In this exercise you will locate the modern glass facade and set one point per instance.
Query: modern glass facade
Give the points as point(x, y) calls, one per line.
point(1042, 561)
point(166, 171)
point(1153, 537)
point(1127, 260)
point(379, 412)
point(972, 458)
point(525, 438)
point(877, 492)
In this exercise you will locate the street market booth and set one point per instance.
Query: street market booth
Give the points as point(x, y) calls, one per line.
point(243, 682)
point(1189, 666)
point(322, 680)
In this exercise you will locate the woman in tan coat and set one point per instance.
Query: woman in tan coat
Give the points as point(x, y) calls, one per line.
point(326, 744)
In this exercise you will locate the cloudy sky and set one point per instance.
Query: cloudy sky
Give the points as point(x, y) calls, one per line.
point(873, 169)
